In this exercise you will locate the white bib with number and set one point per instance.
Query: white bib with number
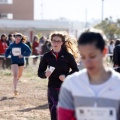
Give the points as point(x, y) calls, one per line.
point(96, 113)
point(16, 51)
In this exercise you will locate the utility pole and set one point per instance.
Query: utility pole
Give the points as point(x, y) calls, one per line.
point(102, 10)
point(41, 9)
point(86, 18)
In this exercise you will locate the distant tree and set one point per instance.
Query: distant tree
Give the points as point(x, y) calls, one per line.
point(118, 22)
point(110, 28)
point(118, 30)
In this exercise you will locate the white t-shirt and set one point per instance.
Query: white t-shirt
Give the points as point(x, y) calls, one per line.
point(111, 48)
point(97, 88)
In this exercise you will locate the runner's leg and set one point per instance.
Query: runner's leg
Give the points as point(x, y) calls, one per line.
point(14, 68)
point(20, 70)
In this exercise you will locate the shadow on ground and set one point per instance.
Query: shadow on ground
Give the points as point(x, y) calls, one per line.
point(45, 106)
point(6, 98)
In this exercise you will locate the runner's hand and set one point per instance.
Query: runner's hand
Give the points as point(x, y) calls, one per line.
point(47, 73)
point(4, 58)
point(20, 56)
point(62, 77)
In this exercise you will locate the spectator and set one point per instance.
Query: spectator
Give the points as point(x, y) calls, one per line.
point(41, 42)
point(3, 47)
point(116, 56)
point(27, 43)
point(110, 49)
point(11, 39)
point(35, 49)
point(46, 47)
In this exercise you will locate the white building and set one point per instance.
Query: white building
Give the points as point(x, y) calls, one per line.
point(43, 27)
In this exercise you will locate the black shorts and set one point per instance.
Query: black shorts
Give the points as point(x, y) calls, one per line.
point(19, 64)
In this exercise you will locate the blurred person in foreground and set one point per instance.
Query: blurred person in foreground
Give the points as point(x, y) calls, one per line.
point(92, 93)
point(56, 65)
point(18, 50)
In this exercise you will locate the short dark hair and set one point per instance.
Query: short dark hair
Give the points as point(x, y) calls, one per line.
point(10, 35)
point(92, 38)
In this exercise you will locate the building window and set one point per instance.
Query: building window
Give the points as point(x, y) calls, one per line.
point(3, 16)
point(10, 16)
point(6, 1)
point(6, 16)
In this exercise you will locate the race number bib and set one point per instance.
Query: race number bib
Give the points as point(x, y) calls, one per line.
point(95, 113)
point(16, 51)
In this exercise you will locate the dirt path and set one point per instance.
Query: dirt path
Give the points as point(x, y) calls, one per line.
point(31, 104)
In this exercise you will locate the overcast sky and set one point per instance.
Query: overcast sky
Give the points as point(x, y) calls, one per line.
point(76, 9)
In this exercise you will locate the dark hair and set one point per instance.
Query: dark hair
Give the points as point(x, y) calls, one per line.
point(117, 42)
point(42, 40)
point(92, 38)
point(35, 37)
point(111, 42)
point(3, 35)
point(10, 35)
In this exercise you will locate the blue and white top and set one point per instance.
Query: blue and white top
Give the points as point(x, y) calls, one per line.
point(15, 50)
